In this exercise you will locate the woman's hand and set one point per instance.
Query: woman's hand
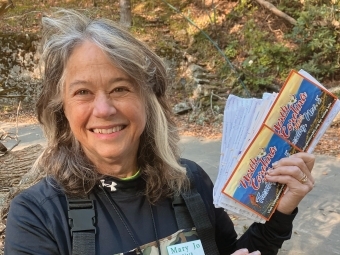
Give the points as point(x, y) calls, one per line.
point(295, 172)
point(245, 252)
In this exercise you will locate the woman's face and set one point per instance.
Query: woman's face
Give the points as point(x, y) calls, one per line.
point(103, 106)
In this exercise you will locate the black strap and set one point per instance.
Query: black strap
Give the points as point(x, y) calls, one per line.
point(81, 219)
point(195, 207)
point(183, 218)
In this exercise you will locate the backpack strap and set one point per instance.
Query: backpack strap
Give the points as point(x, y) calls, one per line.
point(194, 212)
point(81, 219)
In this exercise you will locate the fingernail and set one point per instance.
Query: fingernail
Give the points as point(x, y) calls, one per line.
point(275, 164)
point(256, 253)
point(244, 250)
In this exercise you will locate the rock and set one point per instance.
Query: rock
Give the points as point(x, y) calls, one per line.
point(197, 92)
point(189, 58)
point(201, 81)
point(181, 108)
point(194, 70)
point(19, 70)
point(180, 84)
point(3, 148)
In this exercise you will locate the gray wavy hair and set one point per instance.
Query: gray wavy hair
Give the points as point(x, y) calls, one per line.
point(63, 158)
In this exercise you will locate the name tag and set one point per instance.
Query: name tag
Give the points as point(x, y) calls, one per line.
point(189, 248)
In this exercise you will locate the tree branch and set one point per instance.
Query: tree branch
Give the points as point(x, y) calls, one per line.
point(276, 11)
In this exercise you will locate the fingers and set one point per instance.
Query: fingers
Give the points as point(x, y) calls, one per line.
point(293, 170)
point(290, 173)
point(245, 252)
point(300, 188)
point(308, 158)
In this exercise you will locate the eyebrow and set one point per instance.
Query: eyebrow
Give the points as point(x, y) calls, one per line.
point(111, 81)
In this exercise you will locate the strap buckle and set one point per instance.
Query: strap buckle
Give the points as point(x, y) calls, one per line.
point(81, 215)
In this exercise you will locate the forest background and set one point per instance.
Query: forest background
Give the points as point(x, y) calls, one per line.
point(213, 48)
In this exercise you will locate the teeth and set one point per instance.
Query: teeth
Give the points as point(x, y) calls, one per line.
point(107, 131)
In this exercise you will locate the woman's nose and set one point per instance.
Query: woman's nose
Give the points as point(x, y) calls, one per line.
point(103, 106)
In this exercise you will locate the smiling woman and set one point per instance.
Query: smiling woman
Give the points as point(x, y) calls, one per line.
point(115, 181)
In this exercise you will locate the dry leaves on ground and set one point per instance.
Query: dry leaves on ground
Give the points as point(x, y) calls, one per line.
point(330, 142)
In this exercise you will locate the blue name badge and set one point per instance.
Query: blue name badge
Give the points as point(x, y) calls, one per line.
point(189, 248)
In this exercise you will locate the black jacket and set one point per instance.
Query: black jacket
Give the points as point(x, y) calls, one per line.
point(37, 221)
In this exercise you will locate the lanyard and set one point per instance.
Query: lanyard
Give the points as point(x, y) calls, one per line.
point(120, 216)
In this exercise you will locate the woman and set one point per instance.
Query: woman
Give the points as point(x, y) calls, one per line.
point(111, 139)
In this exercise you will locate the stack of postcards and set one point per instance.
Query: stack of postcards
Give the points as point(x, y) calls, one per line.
point(259, 132)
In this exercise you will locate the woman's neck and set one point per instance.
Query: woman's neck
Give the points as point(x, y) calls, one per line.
point(119, 170)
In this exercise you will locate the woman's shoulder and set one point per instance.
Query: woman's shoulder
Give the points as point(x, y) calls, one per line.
point(199, 180)
point(44, 190)
point(195, 171)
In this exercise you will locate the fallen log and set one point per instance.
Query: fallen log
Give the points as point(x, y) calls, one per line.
point(16, 174)
point(276, 11)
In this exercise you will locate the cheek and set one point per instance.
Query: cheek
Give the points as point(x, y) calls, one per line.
point(67, 106)
point(75, 115)
point(140, 115)
point(142, 118)
point(69, 114)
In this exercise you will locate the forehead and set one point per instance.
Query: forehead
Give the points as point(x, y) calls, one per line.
point(87, 53)
point(88, 62)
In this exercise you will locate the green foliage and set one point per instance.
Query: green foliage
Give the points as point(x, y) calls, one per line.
point(291, 8)
point(242, 33)
point(265, 60)
point(242, 6)
point(231, 49)
point(337, 93)
point(317, 40)
point(313, 44)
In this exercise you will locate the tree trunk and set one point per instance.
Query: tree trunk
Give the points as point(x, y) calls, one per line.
point(125, 13)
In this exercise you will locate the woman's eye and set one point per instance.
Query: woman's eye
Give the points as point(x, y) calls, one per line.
point(121, 91)
point(82, 92)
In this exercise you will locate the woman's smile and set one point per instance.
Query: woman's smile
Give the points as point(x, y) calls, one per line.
point(107, 130)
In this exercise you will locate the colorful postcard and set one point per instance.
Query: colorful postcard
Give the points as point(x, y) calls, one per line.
point(299, 110)
point(247, 184)
point(295, 122)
